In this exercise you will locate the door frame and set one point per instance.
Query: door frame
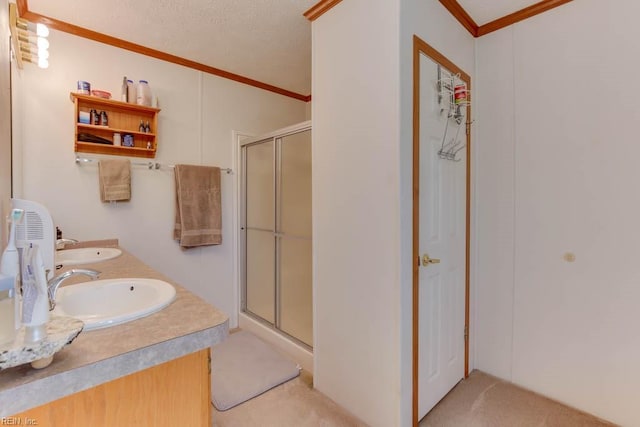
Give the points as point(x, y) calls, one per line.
point(421, 47)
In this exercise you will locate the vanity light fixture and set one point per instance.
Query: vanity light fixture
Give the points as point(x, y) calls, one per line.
point(28, 40)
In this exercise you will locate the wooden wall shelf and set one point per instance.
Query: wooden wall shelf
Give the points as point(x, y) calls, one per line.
point(123, 118)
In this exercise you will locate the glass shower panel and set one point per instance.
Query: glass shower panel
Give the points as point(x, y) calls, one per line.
point(260, 288)
point(296, 316)
point(259, 181)
point(277, 274)
point(294, 241)
point(295, 185)
point(260, 274)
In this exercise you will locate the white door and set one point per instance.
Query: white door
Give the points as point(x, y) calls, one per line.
point(442, 237)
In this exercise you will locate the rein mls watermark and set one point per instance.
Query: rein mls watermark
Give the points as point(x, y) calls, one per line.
point(18, 421)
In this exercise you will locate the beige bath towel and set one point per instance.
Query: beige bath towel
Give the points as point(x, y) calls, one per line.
point(114, 180)
point(198, 210)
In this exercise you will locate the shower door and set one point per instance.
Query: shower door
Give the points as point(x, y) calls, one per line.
point(276, 231)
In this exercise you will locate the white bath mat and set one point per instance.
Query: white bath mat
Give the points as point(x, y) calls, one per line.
point(243, 366)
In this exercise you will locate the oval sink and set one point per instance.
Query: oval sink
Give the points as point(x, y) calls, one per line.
point(109, 302)
point(85, 255)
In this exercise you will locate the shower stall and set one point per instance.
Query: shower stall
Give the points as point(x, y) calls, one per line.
point(275, 234)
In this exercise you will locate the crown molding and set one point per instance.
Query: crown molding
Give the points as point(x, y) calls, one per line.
point(25, 13)
point(476, 30)
point(520, 15)
point(461, 15)
point(320, 9)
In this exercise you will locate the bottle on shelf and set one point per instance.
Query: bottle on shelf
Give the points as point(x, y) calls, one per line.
point(131, 92)
point(95, 117)
point(147, 128)
point(124, 93)
point(143, 95)
point(141, 127)
point(104, 119)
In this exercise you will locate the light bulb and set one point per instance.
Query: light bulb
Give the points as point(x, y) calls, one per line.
point(43, 63)
point(43, 53)
point(42, 43)
point(42, 30)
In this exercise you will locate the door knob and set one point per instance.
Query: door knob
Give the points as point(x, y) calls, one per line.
point(426, 260)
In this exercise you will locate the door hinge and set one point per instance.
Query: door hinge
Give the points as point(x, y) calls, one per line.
point(466, 333)
point(418, 260)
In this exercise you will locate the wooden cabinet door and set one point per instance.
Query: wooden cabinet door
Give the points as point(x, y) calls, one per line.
point(174, 393)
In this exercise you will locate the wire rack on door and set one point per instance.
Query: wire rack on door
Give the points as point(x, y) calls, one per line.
point(453, 100)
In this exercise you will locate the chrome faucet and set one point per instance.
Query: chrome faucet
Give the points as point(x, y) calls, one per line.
point(61, 243)
point(54, 283)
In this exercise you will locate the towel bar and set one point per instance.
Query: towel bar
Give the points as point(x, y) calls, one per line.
point(149, 165)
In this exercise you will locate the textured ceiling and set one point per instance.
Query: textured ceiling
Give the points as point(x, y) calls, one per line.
point(265, 40)
point(483, 11)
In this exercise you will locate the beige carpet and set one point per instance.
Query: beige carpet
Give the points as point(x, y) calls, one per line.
point(486, 401)
point(479, 401)
point(292, 404)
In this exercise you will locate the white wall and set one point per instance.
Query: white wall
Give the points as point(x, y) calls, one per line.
point(199, 112)
point(355, 208)
point(494, 177)
point(558, 174)
point(362, 118)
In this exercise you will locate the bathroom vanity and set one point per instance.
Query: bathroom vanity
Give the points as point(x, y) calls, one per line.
point(153, 371)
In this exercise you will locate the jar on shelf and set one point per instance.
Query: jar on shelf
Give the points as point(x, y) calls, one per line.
point(127, 140)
